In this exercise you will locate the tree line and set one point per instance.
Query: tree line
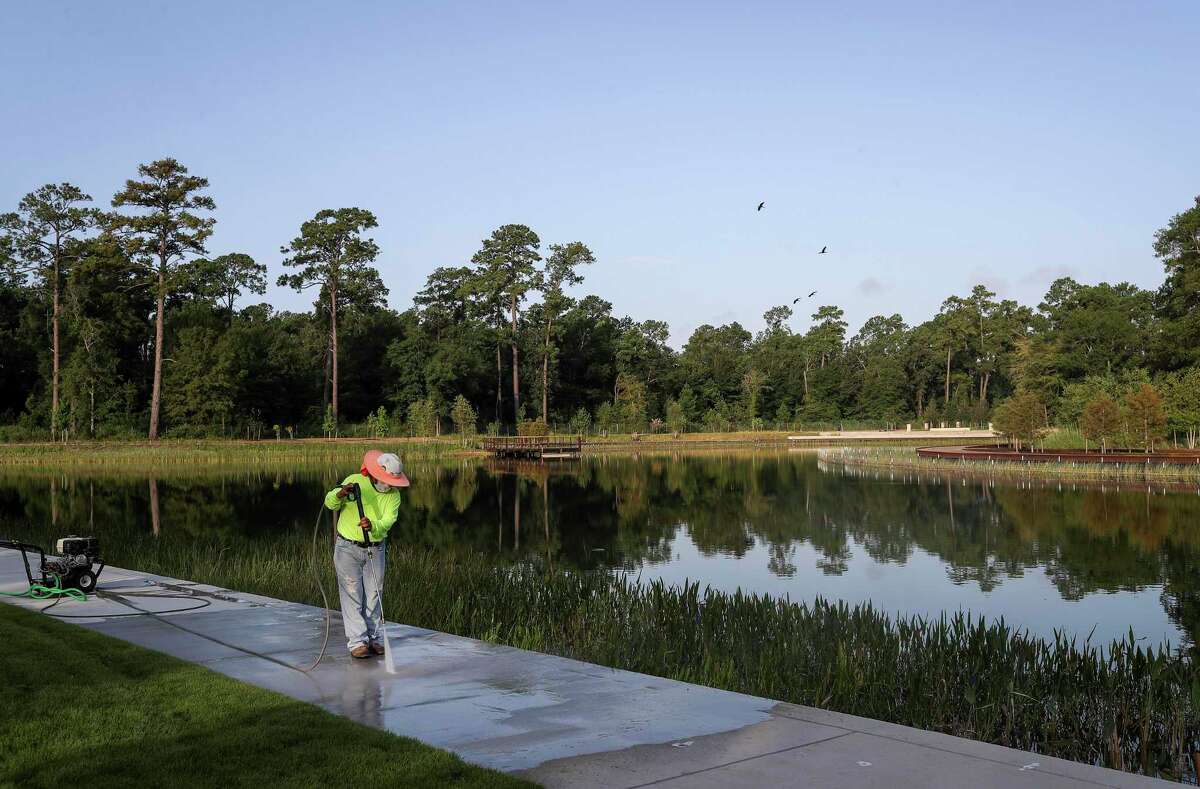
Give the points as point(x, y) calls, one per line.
point(122, 322)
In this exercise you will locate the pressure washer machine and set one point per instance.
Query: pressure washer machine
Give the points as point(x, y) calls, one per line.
point(77, 565)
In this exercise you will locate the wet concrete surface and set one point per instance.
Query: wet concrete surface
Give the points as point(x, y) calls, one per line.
point(558, 721)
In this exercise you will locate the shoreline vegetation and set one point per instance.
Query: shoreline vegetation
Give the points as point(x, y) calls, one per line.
point(905, 459)
point(891, 451)
point(211, 452)
point(1124, 705)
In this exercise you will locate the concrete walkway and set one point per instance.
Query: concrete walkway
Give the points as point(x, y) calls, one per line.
point(559, 722)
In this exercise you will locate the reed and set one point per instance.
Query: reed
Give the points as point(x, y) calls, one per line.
point(1122, 705)
point(201, 454)
point(907, 459)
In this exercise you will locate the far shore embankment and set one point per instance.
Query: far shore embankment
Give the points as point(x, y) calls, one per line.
point(282, 453)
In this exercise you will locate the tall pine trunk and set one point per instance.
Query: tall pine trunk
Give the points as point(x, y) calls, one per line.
point(499, 386)
point(54, 364)
point(156, 389)
point(947, 399)
point(546, 374)
point(333, 340)
point(328, 377)
point(516, 374)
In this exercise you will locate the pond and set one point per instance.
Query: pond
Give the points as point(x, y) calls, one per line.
point(1045, 556)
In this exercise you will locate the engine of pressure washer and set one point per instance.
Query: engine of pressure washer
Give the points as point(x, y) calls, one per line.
point(73, 565)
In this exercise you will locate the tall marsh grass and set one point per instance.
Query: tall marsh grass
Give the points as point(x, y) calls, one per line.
point(204, 454)
point(1124, 705)
point(906, 458)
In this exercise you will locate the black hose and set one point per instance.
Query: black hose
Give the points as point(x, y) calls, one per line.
point(139, 612)
point(118, 598)
point(320, 588)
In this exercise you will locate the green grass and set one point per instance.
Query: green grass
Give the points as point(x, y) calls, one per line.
point(81, 709)
point(1123, 705)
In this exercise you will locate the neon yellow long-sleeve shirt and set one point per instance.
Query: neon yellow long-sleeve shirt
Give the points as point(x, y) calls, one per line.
point(380, 508)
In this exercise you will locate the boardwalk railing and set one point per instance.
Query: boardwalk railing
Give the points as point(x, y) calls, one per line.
point(533, 446)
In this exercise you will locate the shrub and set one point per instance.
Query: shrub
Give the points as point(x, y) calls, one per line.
point(463, 415)
point(581, 422)
point(533, 427)
point(1101, 421)
point(422, 417)
point(1147, 421)
point(676, 419)
point(1022, 417)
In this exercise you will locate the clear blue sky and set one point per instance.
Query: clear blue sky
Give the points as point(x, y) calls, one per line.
point(930, 145)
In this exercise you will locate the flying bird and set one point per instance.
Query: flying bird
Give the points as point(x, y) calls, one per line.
point(797, 299)
point(822, 252)
point(812, 294)
point(760, 205)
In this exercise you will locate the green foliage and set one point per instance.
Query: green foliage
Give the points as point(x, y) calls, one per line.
point(630, 403)
point(1147, 420)
point(378, 425)
point(817, 412)
point(1181, 391)
point(581, 421)
point(713, 363)
point(505, 271)
point(226, 277)
point(1101, 421)
point(533, 427)
point(783, 416)
point(423, 417)
point(1022, 417)
point(463, 416)
point(561, 270)
point(43, 240)
point(689, 405)
point(331, 253)
point(606, 417)
point(1178, 246)
point(716, 419)
point(676, 419)
point(164, 231)
point(505, 325)
point(200, 387)
point(752, 385)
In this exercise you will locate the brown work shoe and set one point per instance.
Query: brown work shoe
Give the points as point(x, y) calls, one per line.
point(360, 651)
point(376, 648)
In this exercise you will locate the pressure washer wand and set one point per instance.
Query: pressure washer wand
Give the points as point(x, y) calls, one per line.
point(357, 497)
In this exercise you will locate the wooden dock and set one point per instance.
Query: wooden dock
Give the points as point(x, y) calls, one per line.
point(534, 447)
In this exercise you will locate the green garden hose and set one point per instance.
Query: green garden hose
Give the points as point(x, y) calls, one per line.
point(42, 592)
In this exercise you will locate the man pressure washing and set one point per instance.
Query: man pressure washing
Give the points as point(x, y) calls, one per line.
point(367, 504)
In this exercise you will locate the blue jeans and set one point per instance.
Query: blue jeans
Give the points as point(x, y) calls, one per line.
point(360, 587)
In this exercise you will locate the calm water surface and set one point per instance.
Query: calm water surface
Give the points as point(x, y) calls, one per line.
point(1044, 557)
